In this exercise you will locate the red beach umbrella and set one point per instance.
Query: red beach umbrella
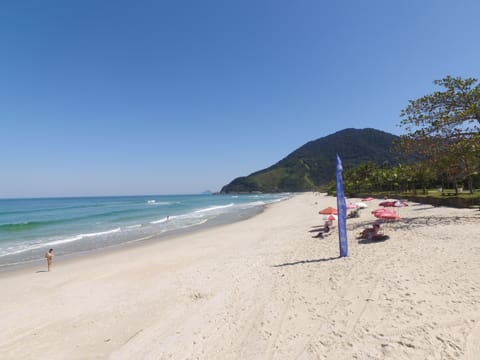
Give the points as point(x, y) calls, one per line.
point(328, 211)
point(388, 216)
point(378, 211)
point(330, 217)
point(385, 214)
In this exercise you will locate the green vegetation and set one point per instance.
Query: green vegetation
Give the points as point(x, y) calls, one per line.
point(443, 131)
point(313, 165)
point(412, 180)
point(444, 128)
point(441, 150)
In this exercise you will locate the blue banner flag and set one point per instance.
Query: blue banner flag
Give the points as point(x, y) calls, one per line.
point(342, 212)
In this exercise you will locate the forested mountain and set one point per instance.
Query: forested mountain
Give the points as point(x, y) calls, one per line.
point(313, 164)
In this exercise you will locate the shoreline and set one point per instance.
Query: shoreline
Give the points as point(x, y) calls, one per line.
point(261, 288)
point(225, 219)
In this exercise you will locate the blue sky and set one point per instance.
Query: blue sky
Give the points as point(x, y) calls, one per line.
point(167, 97)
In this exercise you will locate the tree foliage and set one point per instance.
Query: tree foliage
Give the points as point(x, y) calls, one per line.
point(369, 177)
point(452, 113)
point(444, 127)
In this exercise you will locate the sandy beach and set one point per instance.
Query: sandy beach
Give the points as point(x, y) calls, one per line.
point(262, 288)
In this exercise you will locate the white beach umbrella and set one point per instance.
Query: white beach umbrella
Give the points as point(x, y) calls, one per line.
point(361, 205)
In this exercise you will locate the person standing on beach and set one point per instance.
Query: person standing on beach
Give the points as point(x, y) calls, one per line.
point(49, 257)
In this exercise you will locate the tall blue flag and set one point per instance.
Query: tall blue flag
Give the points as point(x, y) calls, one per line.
point(342, 212)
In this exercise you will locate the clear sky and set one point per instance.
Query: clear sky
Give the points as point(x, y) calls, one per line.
point(117, 97)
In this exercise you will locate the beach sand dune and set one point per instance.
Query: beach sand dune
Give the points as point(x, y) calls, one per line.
point(262, 288)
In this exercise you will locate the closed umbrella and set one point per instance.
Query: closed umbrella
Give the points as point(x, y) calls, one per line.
point(387, 203)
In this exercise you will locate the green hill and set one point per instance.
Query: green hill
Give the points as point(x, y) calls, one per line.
point(313, 164)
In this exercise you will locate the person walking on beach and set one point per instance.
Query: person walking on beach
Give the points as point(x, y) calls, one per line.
point(49, 257)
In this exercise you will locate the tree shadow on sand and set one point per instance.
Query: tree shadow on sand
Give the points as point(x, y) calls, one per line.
point(416, 222)
point(307, 261)
point(423, 221)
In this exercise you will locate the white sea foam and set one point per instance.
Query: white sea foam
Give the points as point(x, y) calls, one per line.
point(161, 203)
point(253, 204)
point(160, 221)
point(214, 208)
point(9, 251)
point(203, 221)
point(22, 248)
point(206, 210)
point(82, 236)
point(279, 199)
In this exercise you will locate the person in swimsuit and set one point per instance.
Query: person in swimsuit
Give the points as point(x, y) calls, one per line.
point(49, 257)
point(370, 233)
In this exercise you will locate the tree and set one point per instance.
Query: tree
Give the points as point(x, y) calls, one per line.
point(444, 127)
point(421, 176)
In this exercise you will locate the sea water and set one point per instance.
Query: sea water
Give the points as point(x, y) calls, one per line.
point(29, 227)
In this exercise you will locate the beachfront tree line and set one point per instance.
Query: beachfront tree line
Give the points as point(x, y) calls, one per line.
point(443, 134)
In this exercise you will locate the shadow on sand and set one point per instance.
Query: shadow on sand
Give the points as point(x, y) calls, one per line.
point(307, 261)
point(375, 239)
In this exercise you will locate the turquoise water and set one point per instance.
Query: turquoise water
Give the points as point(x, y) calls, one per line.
point(29, 227)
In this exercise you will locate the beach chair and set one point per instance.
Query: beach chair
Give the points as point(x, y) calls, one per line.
point(373, 234)
point(323, 232)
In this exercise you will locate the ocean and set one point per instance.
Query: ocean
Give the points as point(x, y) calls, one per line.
point(29, 227)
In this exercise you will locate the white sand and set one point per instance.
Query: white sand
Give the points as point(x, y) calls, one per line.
point(260, 289)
